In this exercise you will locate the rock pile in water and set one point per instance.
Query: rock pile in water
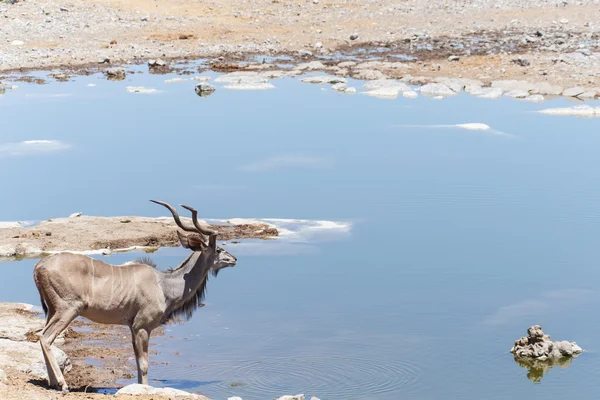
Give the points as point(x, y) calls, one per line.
point(539, 346)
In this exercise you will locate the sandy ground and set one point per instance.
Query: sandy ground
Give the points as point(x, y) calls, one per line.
point(107, 234)
point(490, 38)
point(108, 345)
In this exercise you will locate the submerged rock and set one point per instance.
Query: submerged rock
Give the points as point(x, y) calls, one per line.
point(538, 345)
point(537, 368)
point(116, 74)
point(576, 111)
point(137, 388)
point(204, 89)
point(323, 80)
point(250, 86)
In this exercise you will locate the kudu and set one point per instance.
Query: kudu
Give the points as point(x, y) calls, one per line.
point(134, 294)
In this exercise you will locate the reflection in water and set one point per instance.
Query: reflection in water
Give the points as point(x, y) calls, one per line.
point(537, 368)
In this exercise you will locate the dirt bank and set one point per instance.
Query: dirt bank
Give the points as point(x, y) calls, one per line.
point(506, 39)
point(108, 347)
point(108, 234)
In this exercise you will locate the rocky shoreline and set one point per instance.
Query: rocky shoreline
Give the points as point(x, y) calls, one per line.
point(549, 42)
point(105, 235)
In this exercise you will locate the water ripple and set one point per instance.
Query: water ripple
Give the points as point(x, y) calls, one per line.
point(326, 376)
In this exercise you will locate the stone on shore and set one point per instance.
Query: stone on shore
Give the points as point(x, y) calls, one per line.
point(242, 77)
point(548, 89)
point(399, 87)
point(368, 74)
point(517, 94)
point(491, 93)
point(288, 397)
point(137, 389)
point(437, 89)
point(27, 357)
point(574, 91)
point(250, 86)
point(509, 85)
point(323, 80)
point(311, 66)
point(538, 345)
point(16, 322)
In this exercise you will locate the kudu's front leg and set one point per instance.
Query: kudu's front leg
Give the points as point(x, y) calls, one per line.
point(140, 338)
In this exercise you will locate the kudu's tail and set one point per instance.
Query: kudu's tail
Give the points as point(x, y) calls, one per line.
point(37, 285)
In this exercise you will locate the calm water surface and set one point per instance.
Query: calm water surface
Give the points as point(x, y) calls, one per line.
point(457, 240)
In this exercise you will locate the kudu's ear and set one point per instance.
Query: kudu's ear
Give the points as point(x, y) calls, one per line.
point(190, 241)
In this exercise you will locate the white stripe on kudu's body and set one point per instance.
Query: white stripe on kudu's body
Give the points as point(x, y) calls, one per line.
point(138, 296)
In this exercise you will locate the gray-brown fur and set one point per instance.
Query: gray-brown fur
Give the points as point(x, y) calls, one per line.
point(135, 294)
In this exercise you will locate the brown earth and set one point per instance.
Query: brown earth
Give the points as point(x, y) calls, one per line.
point(84, 233)
point(109, 346)
point(84, 32)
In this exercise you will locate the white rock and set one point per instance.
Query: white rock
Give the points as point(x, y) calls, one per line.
point(311, 66)
point(175, 80)
point(517, 94)
point(17, 43)
point(576, 111)
point(75, 215)
point(474, 90)
point(242, 77)
point(346, 64)
point(200, 78)
point(455, 84)
point(204, 89)
point(491, 93)
point(573, 92)
point(136, 389)
point(321, 80)
point(474, 126)
point(368, 74)
point(535, 98)
point(350, 90)
point(156, 63)
point(8, 225)
point(545, 88)
point(509, 85)
point(588, 95)
point(436, 90)
point(234, 398)
point(27, 357)
point(318, 45)
point(384, 93)
point(250, 86)
point(3, 376)
point(387, 83)
point(410, 94)
point(288, 397)
point(140, 89)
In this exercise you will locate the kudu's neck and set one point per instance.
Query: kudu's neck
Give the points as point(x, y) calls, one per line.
point(182, 285)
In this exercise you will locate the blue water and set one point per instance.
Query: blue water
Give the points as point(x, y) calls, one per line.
point(459, 240)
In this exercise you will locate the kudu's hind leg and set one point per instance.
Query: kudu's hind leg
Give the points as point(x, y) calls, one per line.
point(58, 322)
point(140, 338)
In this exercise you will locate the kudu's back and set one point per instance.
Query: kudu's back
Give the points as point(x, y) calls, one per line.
point(103, 293)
